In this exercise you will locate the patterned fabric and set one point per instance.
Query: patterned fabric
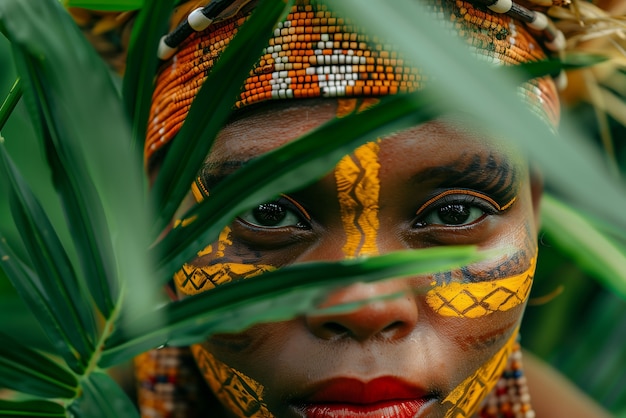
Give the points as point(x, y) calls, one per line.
point(315, 53)
point(169, 384)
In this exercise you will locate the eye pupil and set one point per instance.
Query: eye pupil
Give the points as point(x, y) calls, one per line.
point(454, 214)
point(269, 214)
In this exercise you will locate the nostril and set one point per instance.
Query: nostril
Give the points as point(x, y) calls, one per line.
point(394, 327)
point(335, 328)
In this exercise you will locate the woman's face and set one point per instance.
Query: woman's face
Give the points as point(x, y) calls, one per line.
point(436, 350)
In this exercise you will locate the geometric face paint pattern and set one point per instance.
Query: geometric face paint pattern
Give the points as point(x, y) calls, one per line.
point(465, 399)
point(475, 300)
point(237, 392)
point(192, 279)
point(358, 188)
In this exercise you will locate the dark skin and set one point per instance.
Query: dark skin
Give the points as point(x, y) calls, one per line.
point(438, 184)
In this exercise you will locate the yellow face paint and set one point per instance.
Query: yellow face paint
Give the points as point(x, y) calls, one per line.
point(465, 399)
point(239, 393)
point(474, 300)
point(192, 279)
point(358, 188)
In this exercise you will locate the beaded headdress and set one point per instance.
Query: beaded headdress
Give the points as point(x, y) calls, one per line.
point(315, 53)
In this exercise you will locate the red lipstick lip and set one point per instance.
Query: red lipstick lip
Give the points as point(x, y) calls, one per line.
point(353, 398)
point(353, 391)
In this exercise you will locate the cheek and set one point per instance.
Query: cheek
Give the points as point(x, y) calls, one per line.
point(481, 299)
point(465, 399)
point(219, 263)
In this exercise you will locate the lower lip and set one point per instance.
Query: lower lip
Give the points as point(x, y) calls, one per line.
point(394, 409)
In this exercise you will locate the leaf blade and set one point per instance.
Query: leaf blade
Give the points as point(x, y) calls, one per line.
point(31, 409)
point(283, 170)
point(210, 109)
point(27, 371)
point(290, 291)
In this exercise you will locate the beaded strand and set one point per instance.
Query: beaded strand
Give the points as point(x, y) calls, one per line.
point(554, 40)
point(510, 398)
point(198, 20)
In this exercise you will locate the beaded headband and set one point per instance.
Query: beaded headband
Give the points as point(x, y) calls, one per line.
point(316, 53)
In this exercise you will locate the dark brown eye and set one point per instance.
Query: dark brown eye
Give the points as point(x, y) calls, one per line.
point(269, 214)
point(454, 210)
point(274, 215)
point(457, 214)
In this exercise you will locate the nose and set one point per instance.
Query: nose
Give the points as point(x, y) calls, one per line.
point(384, 310)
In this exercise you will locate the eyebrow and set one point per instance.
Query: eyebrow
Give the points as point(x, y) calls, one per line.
point(213, 173)
point(496, 176)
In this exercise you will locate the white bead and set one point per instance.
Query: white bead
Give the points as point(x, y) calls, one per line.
point(165, 51)
point(558, 44)
point(501, 6)
point(289, 93)
point(325, 37)
point(561, 81)
point(198, 21)
point(540, 22)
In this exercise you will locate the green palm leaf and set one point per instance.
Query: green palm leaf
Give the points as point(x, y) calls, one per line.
point(274, 296)
point(25, 370)
point(55, 292)
point(31, 409)
point(102, 397)
point(210, 109)
point(284, 169)
point(142, 59)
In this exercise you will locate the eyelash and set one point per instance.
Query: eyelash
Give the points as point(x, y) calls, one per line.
point(494, 205)
point(289, 204)
point(464, 197)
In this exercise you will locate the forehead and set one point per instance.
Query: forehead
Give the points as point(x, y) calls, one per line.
point(435, 143)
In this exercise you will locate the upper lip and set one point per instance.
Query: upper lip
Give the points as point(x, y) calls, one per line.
point(354, 391)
